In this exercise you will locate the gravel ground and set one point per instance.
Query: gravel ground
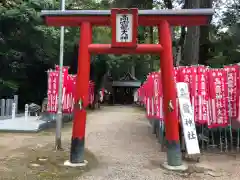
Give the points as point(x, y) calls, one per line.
point(121, 140)
point(126, 149)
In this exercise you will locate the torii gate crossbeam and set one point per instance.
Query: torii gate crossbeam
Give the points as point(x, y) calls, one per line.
point(183, 17)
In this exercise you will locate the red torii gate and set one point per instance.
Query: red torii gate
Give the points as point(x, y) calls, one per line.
point(126, 21)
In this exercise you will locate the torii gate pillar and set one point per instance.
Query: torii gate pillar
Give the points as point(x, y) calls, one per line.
point(160, 18)
point(174, 155)
point(81, 96)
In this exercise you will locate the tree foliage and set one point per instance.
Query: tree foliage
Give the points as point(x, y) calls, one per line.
point(28, 48)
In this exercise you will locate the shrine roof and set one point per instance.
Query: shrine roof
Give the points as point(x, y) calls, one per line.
point(136, 84)
point(128, 80)
point(182, 17)
point(128, 77)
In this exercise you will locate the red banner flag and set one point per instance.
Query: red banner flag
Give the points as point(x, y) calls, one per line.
point(218, 93)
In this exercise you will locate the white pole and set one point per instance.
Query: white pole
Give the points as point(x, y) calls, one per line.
point(3, 107)
point(58, 143)
point(15, 98)
point(8, 107)
point(13, 111)
point(26, 111)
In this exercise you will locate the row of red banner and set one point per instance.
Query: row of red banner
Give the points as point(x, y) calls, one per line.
point(214, 93)
point(69, 88)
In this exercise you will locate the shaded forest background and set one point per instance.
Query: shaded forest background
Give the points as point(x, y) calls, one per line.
point(28, 48)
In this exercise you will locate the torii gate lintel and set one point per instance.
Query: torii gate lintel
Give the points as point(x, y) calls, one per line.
point(183, 17)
